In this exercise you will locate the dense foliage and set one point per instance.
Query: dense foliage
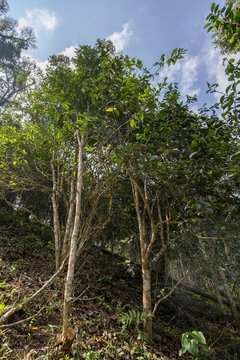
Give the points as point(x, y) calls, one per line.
point(97, 154)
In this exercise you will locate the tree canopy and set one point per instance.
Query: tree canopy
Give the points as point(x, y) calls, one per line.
point(14, 69)
point(103, 155)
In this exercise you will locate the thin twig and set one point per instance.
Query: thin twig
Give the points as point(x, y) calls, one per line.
point(7, 326)
point(6, 315)
point(221, 334)
point(79, 296)
point(170, 293)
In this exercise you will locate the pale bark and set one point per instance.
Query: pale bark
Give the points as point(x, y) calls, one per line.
point(147, 302)
point(146, 273)
point(69, 227)
point(140, 225)
point(73, 246)
point(20, 322)
point(56, 224)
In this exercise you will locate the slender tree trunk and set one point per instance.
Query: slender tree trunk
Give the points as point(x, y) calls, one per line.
point(163, 260)
point(229, 296)
point(146, 273)
point(218, 295)
point(147, 303)
point(56, 225)
point(68, 333)
point(69, 227)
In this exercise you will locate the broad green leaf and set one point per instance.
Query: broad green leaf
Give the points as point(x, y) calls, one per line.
point(198, 335)
point(185, 339)
point(182, 351)
point(193, 347)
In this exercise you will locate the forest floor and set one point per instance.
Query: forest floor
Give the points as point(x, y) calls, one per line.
point(106, 291)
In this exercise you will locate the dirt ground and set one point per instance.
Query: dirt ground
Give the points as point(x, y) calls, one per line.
point(105, 291)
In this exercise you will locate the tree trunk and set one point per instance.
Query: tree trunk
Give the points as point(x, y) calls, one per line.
point(229, 296)
point(68, 334)
point(146, 273)
point(163, 260)
point(218, 296)
point(56, 225)
point(147, 303)
point(69, 228)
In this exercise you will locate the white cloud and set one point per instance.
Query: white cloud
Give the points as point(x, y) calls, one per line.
point(189, 76)
point(70, 51)
point(185, 73)
point(172, 72)
point(41, 64)
point(215, 68)
point(22, 22)
point(38, 19)
point(121, 39)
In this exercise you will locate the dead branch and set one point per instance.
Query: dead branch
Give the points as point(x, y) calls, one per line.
point(18, 307)
point(170, 293)
point(8, 326)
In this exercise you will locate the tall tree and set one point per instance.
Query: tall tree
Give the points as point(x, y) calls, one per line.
point(225, 26)
point(61, 149)
point(14, 69)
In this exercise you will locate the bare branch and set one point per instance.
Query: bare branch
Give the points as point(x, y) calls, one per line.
point(6, 315)
point(169, 294)
point(20, 322)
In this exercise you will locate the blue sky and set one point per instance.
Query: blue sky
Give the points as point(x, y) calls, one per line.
point(143, 29)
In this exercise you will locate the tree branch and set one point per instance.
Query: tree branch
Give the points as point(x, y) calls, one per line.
point(166, 296)
point(18, 307)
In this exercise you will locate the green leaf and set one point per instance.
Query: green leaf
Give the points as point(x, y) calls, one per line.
point(194, 144)
point(230, 30)
point(213, 6)
point(198, 335)
point(193, 347)
point(185, 339)
point(65, 106)
point(132, 123)
point(182, 351)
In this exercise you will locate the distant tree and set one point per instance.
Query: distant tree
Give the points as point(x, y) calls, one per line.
point(225, 26)
point(13, 69)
